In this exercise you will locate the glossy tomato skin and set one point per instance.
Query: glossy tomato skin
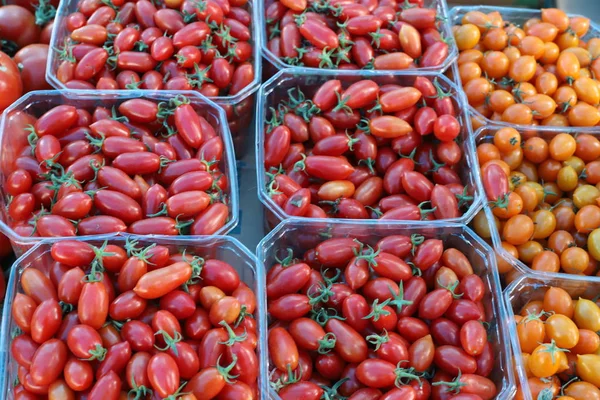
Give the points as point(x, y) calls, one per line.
point(93, 303)
point(107, 387)
point(116, 359)
point(48, 362)
point(163, 374)
point(349, 344)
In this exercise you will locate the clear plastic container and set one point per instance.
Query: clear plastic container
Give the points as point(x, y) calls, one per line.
point(239, 115)
point(60, 34)
point(301, 235)
point(238, 107)
point(276, 64)
point(13, 137)
point(517, 16)
point(275, 89)
point(486, 135)
point(223, 248)
point(527, 288)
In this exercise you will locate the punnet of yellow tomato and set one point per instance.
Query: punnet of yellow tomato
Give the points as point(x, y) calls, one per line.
point(542, 189)
point(554, 324)
point(543, 72)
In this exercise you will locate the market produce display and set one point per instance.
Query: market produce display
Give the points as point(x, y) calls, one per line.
point(127, 320)
point(333, 34)
point(557, 335)
point(155, 165)
point(397, 124)
point(372, 315)
point(541, 72)
point(541, 189)
point(362, 150)
point(175, 45)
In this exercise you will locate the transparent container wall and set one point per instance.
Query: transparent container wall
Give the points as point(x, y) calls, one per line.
point(240, 116)
point(301, 235)
point(60, 36)
point(217, 247)
point(275, 90)
point(275, 64)
point(486, 135)
point(530, 288)
point(13, 138)
point(517, 16)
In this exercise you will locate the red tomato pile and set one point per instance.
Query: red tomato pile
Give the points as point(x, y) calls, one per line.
point(366, 151)
point(146, 168)
point(181, 45)
point(402, 320)
point(116, 321)
point(365, 34)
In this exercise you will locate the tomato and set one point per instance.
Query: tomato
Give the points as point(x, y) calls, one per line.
point(421, 353)
point(308, 390)
point(93, 304)
point(48, 362)
point(45, 320)
point(163, 374)
point(585, 314)
point(473, 338)
point(19, 25)
point(210, 220)
point(376, 373)
point(282, 349)
point(78, 374)
point(452, 360)
point(157, 283)
point(107, 387)
point(545, 360)
point(562, 330)
point(349, 344)
point(12, 86)
point(84, 342)
point(32, 61)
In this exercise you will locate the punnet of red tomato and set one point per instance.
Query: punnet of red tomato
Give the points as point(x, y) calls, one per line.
point(369, 35)
point(554, 324)
point(346, 147)
point(79, 164)
point(205, 46)
point(378, 311)
point(528, 67)
point(116, 318)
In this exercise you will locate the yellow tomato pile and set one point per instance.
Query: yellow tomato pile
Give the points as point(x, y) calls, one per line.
point(547, 211)
point(559, 340)
point(541, 73)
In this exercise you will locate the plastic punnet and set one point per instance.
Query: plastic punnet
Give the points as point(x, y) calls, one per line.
point(517, 16)
point(224, 248)
point(486, 135)
point(60, 34)
point(276, 64)
point(528, 288)
point(275, 89)
point(13, 137)
point(300, 235)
